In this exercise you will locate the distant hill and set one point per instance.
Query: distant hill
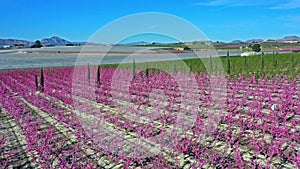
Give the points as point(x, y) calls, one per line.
point(291, 38)
point(254, 41)
point(237, 41)
point(53, 41)
point(57, 41)
point(134, 43)
point(12, 42)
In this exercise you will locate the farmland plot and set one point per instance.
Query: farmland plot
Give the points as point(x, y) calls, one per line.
point(155, 120)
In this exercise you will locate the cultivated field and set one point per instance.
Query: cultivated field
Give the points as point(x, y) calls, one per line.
point(135, 117)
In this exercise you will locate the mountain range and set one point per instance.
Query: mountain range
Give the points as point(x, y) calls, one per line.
point(57, 41)
point(52, 41)
point(286, 38)
point(292, 38)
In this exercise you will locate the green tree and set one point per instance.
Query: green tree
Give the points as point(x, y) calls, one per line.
point(186, 48)
point(89, 73)
point(133, 68)
point(37, 44)
point(98, 74)
point(42, 79)
point(228, 63)
point(256, 48)
point(147, 70)
point(36, 82)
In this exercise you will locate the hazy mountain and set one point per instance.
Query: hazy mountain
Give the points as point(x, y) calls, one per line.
point(54, 41)
point(237, 41)
point(134, 43)
point(254, 41)
point(57, 41)
point(13, 42)
point(291, 38)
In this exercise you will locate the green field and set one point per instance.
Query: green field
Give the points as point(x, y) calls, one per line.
point(268, 65)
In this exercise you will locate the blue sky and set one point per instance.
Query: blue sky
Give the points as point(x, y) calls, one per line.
point(223, 20)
